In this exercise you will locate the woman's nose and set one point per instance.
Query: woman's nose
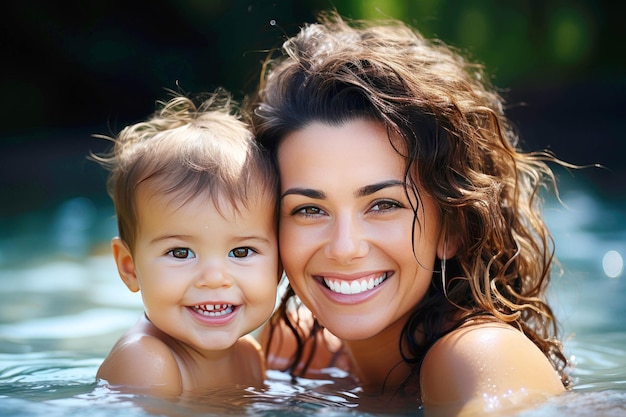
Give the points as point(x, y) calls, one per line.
point(347, 241)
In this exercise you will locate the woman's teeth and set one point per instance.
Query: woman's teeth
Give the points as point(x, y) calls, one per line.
point(354, 287)
point(213, 310)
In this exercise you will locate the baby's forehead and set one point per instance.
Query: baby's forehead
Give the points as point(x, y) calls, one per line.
point(228, 202)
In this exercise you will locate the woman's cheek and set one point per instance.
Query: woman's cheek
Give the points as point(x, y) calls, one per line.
point(293, 244)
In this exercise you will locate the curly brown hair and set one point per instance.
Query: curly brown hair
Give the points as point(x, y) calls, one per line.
point(459, 147)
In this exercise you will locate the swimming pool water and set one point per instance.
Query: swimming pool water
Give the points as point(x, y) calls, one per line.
point(62, 306)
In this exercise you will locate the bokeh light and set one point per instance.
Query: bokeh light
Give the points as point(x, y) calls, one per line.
point(612, 264)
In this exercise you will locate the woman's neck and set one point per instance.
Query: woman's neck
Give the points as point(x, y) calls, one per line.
point(377, 361)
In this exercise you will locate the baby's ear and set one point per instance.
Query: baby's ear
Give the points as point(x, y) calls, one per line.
point(125, 264)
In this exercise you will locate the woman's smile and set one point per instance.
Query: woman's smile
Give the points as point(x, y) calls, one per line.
point(355, 286)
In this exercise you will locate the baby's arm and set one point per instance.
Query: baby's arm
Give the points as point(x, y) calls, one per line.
point(486, 368)
point(252, 360)
point(142, 363)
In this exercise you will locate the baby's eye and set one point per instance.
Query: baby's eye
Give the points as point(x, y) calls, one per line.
point(181, 253)
point(240, 252)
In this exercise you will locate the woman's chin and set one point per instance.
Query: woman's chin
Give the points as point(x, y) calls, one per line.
point(352, 328)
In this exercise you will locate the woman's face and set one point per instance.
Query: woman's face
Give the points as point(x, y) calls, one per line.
point(346, 228)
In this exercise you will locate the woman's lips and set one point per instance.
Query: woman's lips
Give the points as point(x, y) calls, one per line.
point(354, 286)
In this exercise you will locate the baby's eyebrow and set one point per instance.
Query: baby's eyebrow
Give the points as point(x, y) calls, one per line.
point(247, 238)
point(372, 188)
point(170, 236)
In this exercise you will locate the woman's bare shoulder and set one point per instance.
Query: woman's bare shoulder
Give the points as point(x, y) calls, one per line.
point(486, 367)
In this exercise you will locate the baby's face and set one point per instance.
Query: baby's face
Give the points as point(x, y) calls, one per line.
point(207, 277)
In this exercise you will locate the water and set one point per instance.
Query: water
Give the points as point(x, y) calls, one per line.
point(62, 306)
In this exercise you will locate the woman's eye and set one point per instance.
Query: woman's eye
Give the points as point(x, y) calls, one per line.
point(385, 205)
point(309, 211)
point(240, 252)
point(181, 253)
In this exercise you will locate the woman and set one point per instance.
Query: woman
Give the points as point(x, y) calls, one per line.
point(409, 222)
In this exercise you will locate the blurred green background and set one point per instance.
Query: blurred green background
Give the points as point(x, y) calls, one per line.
point(73, 69)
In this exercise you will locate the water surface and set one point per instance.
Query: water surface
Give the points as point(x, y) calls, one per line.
point(62, 306)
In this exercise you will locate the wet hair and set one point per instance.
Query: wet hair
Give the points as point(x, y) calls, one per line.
point(460, 150)
point(187, 148)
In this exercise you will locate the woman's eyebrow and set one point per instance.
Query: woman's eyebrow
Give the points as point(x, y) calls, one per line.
point(306, 192)
point(361, 192)
point(372, 188)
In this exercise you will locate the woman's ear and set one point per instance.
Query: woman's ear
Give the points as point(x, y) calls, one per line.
point(125, 264)
point(448, 245)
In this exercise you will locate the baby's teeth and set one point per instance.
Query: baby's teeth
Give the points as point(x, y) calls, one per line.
point(209, 309)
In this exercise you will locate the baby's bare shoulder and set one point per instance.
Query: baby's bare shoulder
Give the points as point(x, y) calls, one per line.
point(142, 361)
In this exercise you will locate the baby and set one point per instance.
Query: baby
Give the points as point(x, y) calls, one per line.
point(195, 199)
